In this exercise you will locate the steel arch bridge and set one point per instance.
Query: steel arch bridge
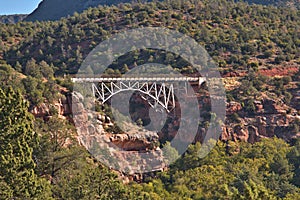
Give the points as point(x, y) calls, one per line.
point(157, 90)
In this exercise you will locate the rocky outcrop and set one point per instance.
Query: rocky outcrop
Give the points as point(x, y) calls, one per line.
point(270, 119)
point(135, 142)
point(62, 107)
point(135, 150)
point(40, 111)
point(233, 107)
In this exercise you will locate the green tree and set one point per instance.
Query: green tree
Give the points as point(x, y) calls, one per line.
point(18, 179)
point(32, 69)
point(84, 179)
point(57, 149)
point(170, 153)
point(46, 70)
point(33, 90)
point(18, 67)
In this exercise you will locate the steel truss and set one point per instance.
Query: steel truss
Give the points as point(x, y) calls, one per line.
point(152, 90)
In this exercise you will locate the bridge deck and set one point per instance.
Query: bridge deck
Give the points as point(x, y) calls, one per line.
point(177, 79)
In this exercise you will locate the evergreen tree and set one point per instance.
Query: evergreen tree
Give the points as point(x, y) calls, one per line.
point(18, 179)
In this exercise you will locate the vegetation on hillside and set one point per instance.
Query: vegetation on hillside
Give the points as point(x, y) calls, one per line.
point(11, 19)
point(282, 3)
point(236, 35)
point(41, 159)
point(49, 164)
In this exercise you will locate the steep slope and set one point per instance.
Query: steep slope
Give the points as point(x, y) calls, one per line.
point(236, 35)
point(216, 25)
point(11, 19)
point(56, 9)
point(282, 3)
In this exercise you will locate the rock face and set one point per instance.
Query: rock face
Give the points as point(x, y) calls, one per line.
point(132, 152)
point(40, 111)
point(233, 107)
point(136, 142)
point(270, 119)
point(138, 149)
point(62, 107)
point(49, 10)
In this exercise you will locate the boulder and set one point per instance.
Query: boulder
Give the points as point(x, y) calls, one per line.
point(40, 111)
point(240, 133)
point(233, 107)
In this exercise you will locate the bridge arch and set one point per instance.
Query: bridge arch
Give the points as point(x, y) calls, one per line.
point(162, 94)
point(159, 89)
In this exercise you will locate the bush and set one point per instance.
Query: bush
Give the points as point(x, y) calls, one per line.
point(286, 80)
point(235, 118)
point(279, 59)
point(249, 106)
point(287, 97)
point(267, 54)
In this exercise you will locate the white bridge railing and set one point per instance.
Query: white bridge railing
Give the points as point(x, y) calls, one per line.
point(179, 79)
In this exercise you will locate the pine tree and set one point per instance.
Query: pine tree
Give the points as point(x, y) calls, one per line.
point(18, 179)
point(32, 69)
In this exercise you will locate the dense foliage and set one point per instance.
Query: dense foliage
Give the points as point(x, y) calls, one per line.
point(18, 179)
point(283, 3)
point(233, 33)
point(267, 170)
point(41, 159)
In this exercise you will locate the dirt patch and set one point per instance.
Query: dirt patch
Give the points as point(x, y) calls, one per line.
point(279, 71)
point(276, 71)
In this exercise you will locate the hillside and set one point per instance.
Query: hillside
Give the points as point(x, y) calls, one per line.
point(63, 45)
point(256, 50)
point(49, 9)
point(259, 66)
point(11, 19)
point(235, 34)
point(281, 3)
